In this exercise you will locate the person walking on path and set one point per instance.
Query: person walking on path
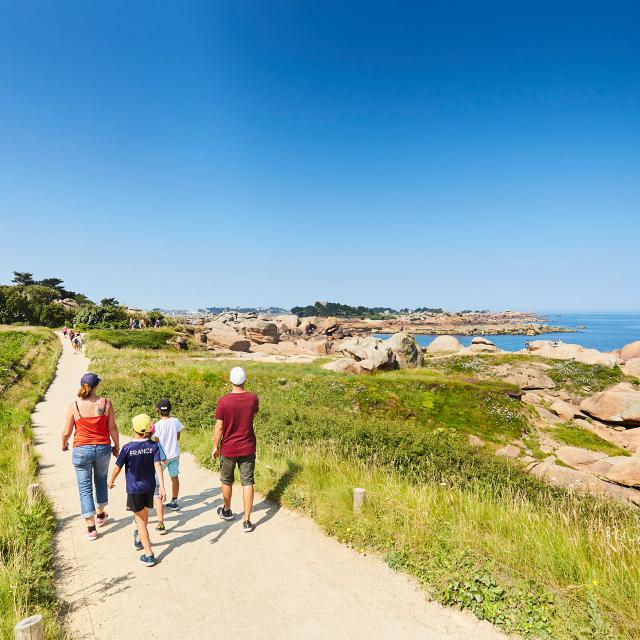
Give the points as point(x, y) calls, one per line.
point(141, 460)
point(234, 442)
point(93, 420)
point(167, 433)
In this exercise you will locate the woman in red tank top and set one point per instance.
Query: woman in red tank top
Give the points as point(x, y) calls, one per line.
point(92, 422)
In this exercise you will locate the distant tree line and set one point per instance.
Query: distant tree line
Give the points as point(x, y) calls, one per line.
point(342, 310)
point(48, 303)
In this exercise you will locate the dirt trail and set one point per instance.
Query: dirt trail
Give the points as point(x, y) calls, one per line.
point(284, 580)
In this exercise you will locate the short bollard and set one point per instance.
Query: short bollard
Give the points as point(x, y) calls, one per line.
point(29, 629)
point(33, 492)
point(26, 451)
point(358, 499)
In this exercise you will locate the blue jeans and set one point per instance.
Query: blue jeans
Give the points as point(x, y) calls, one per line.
point(91, 462)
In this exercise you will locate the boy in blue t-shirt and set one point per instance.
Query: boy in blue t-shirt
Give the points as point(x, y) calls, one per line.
point(141, 460)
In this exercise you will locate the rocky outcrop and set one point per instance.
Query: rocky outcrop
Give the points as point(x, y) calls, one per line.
point(527, 377)
point(562, 351)
point(287, 323)
point(344, 365)
point(618, 405)
point(443, 344)
point(622, 470)
point(407, 350)
point(630, 351)
point(576, 456)
point(631, 367)
point(480, 344)
point(222, 335)
point(509, 451)
point(261, 332)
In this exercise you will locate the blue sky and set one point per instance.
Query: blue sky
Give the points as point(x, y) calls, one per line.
point(457, 154)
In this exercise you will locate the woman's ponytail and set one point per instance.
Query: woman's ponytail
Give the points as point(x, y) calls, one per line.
point(85, 391)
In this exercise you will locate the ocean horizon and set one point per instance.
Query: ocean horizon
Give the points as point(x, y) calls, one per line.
point(601, 331)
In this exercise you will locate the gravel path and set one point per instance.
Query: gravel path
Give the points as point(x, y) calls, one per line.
point(284, 580)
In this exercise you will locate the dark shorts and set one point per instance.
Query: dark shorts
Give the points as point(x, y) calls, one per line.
point(246, 468)
point(138, 501)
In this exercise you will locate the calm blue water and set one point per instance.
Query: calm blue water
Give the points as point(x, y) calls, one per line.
point(603, 331)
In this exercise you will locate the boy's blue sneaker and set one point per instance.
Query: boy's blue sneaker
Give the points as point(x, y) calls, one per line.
point(172, 505)
point(148, 561)
point(225, 514)
point(136, 541)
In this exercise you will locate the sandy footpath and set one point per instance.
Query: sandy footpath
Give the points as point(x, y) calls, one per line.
point(284, 580)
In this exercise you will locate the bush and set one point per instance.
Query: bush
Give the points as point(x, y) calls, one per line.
point(137, 339)
point(32, 304)
point(105, 317)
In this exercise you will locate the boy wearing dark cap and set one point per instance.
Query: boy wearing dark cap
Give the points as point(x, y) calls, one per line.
point(167, 433)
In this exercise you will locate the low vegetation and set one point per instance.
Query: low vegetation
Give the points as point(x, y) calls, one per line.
point(27, 363)
point(472, 528)
point(576, 436)
point(136, 339)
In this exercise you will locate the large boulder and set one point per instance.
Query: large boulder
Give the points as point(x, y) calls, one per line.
point(308, 325)
point(222, 335)
point(287, 323)
point(317, 346)
point(444, 344)
point(576, 456)
point(370, 352)
point(629, 351)
point(623, 470)
point(326, 326)
point(262, 332)
point(565, 410)
point(619, 405)
point(343, 365)
point(480, 344)
point(407, 350)
point(631, 367)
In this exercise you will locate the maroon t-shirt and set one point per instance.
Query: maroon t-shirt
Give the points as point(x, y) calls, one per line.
point(237, 410)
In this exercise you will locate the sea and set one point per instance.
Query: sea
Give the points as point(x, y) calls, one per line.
point(601, 331)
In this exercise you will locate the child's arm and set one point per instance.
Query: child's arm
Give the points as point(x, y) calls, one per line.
point(161, 492)
point(114, 475)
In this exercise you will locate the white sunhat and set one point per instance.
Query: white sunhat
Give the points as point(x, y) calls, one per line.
point(237, 376)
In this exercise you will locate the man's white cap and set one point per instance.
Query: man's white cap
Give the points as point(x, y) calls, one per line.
point(237, 376)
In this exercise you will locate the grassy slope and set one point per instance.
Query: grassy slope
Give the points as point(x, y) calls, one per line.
point(577, 437)
point(472, 528)
point(137, 339)
point(26, 534)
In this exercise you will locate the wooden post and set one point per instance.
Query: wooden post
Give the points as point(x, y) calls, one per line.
point(26, 450)
point(33, 492)
point(358, 499)
point(29, 629)
point(21, 429)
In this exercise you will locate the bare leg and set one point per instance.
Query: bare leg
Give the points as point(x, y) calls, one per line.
point(142, 517)
point(226, 495)
point(157, 503)
point(247, 494)
point(175, 487)
point(91, 522)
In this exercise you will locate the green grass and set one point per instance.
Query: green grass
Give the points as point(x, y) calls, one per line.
point(472, 528)
point(26, 533)
point(136, 339)
point(578, 437)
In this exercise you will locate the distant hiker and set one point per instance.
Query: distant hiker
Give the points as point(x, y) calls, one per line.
point(156, 324)
point(167, 433)
point(78, 342)
point(94, 421)
point(64, 331)
point(141, 460)
point(72, 334)
point(234, 441)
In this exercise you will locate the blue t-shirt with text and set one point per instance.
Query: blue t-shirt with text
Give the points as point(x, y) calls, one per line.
point(138, 458)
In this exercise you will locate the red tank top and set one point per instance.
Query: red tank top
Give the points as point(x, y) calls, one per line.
point(93, 430)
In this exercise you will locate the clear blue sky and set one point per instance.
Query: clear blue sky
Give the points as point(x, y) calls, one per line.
point(455, 154)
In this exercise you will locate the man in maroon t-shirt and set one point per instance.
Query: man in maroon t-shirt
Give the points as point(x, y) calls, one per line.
point(234, 441)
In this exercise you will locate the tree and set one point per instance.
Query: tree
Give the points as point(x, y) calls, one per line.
point(53, 283)
point(23, 277)
point(109, 302)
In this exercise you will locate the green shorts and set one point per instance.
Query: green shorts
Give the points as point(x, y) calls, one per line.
point(246, 468)
point(172, 465)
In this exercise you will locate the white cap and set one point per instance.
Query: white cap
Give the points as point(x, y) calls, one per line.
point(237, 376)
